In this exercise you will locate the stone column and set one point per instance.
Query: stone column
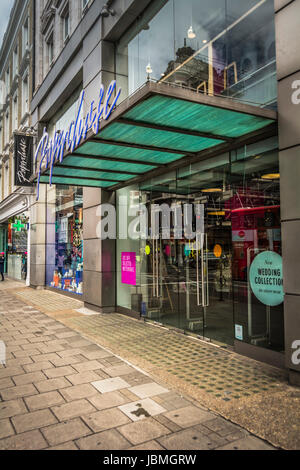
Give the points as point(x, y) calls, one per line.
point(287, 14)
point(50, 249)
point(99, 277)
point(37, 239)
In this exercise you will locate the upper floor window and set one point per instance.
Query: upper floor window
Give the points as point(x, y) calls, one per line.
point(6, 180)
point(25, 37)
point(1, 138)
point(15, 113)
point(6, 135)
point(7, 81)
point(65, 15)
point(50, 50)
point(25, 96)
point(15, 62)
point(66, 26)
point(84, 4)
point(217, 47)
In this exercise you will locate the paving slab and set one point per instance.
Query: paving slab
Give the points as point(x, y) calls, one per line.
point(78, 391)
point(190, 439)
point(12, 408)
point(73, 409)
point(141, 409)
point(52, 384)
point(188, 416)
point(6, 428)
point(35, 420)
point(106, 440)
point(108, 400)
point(44, 400)
point(110, 385)
point(106, 419)
point(142, 431)
point(67, 431)
point(248, 443)
point(148, 390)
point(32, 440)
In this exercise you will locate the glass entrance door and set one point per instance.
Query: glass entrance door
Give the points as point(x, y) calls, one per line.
point(189, 279)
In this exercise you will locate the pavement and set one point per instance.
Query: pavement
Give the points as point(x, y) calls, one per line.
point(75, 380)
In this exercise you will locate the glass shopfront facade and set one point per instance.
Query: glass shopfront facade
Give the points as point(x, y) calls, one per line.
point(228, 286)
point(221, 48)
point(64, 246)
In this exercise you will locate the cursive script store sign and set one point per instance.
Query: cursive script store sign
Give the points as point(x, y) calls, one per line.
point(23, 159)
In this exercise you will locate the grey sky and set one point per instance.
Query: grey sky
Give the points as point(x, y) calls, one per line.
point(5, 8)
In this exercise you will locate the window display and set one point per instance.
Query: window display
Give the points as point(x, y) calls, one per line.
point(65, 260)
point(17, 246)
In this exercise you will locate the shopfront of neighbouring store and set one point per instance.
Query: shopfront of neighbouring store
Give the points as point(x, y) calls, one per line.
point(14, 239)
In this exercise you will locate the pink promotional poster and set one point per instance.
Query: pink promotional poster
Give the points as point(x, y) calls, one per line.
point(128, 268)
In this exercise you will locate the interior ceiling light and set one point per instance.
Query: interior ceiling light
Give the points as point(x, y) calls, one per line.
point(191, 33)
point(149, 69)
point(271, 176)
point(204, 41)
point(212, 190)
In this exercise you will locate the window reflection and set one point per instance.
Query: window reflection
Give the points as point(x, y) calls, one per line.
point(217, 47)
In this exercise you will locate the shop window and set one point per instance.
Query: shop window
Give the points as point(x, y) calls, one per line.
point(228, 287)
point(17, 247)
point(65, 241)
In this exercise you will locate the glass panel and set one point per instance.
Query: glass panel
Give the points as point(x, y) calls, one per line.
point(128, 153)
point(129, 283)
point(256, 230)
point(158, 138)
point(108, 165)
point(61, 171)
point(163, 110)
point(76, 182)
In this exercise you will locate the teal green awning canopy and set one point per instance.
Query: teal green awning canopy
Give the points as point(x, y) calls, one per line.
point(160, 128)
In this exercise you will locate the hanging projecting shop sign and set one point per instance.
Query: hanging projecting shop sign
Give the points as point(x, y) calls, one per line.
point(23, 159)
point(51, 151)
point(266, 278)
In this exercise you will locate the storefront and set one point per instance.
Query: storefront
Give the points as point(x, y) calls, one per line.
point(14, 235)
point(195, 124)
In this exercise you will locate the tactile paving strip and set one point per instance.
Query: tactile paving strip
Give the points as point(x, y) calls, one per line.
point(220, 373)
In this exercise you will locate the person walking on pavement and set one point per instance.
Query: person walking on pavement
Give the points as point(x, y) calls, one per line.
point(2, 259)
